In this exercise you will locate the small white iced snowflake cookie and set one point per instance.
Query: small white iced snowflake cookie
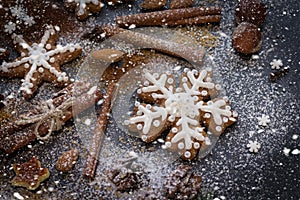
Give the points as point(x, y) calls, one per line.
point(181, 110)
point(83, 8)
point(40, 61)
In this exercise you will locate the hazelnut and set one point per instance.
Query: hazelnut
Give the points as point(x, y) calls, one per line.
point(252, 11)
point(246, 38)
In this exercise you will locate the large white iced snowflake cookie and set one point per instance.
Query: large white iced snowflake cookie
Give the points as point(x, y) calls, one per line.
point(187, 110)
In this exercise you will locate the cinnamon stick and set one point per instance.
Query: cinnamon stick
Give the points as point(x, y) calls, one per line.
point(12, 143)
point(143, 41)
point(166, 17)
point(99, 133)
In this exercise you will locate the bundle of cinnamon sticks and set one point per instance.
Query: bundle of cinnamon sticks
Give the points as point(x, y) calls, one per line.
point(16, 135)
point(174, 17)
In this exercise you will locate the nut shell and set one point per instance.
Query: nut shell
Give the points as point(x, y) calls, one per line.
point(246, 38)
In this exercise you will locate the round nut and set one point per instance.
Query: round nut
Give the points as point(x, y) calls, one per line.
point(246, 38)
point(252, 11)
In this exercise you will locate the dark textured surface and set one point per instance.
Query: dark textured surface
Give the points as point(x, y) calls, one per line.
point(230, 171)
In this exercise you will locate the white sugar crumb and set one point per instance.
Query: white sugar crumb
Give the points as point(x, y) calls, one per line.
point(295, 137)
point(18, 196)
point(286, 151)
point(132, 26)
point(88, 122)
point(295, 152)
point(50, 189)
point(255, 57)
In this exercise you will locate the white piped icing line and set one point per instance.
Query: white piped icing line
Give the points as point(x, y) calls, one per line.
point(181, 107)
point(40, 57)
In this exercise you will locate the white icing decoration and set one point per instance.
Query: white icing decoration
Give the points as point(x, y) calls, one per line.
point(215, 108)
point(38, 59)
point(181, 104)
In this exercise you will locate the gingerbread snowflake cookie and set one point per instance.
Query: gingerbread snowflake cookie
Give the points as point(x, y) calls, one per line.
point(40, 61)
point(188, 111)
point(83, 8)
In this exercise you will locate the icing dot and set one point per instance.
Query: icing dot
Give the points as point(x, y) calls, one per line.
point(139, 112)
point(184, 79)
point(218, 128)
point(136, 104)
point(187, 154)
point(204, 92)
point(156, 123)
point(52, 60)
point(139, 127)
point(225, 99)
point(210, 103)
point(174, 130)
point(196, 145)
point(139, 91)
point(146, 83)
point(148, 106)
point(180, 145)
point(225, 119)
point(41, 70)
point(144, 137)
point(26, 65)
point(168, 144)
point(195, 98)
point(207, 115)
point(171, 118)
point(48, 46)
point(228, 108)
point(170, 80)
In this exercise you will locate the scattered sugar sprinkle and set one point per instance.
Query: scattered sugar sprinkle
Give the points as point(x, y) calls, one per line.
point(295, 152)
point(286, 151)
point(88, 122)
point(295, 137)
point(18, 196)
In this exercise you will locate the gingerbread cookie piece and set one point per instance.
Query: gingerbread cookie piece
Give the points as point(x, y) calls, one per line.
point(83, 8)
point(181, 110)
point(30, 174)
point(40, 61)
point(67, 160)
